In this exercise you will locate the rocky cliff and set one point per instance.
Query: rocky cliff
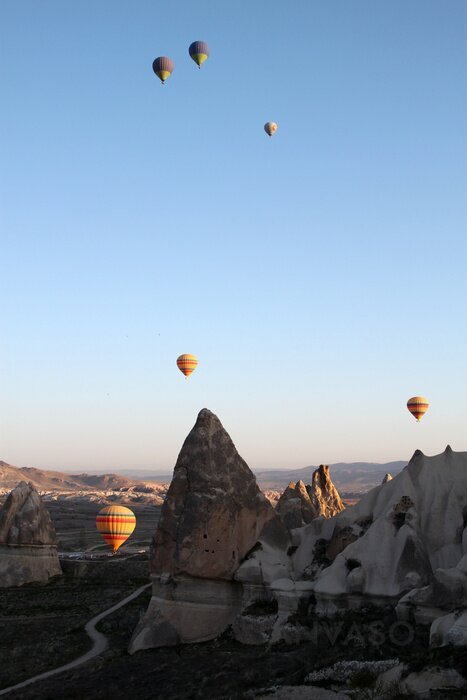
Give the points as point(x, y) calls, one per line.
point(28, 550)
point(403, 544)
point(222, 556)
point(213, 515)
point(300, 504)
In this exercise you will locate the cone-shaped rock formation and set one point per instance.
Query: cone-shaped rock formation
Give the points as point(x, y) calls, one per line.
point(28, 550)
point(300, 504)
point(213, 515)
point(214, 510)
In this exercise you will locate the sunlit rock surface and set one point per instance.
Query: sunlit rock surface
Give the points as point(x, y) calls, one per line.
point(397, 535)
point(300, 503)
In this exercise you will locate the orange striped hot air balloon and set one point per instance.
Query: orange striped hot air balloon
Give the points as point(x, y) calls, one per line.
point(418, 406)
point(187, 364)
point(115, 523)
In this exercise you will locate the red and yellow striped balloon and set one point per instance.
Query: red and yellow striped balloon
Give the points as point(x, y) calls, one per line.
point(115, 523)
point(418, 406)
point(187, 364)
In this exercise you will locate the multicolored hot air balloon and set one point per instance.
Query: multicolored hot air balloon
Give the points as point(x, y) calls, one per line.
point(187, 364)
point(270, 128)
point(418, 406)
point(115, 523)
point(163, 67)
point(199, 52)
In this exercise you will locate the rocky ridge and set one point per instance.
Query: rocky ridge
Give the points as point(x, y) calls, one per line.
point(221, 554)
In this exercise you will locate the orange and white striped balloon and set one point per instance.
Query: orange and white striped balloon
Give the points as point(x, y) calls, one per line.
point(187, 364)
point(418, 406)
point(115, 523)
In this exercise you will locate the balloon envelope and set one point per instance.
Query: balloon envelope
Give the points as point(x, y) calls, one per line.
point(199, 52)
point(270, 128)
point(187, 364)
point(418, 406)
point(163, 67)
point(115, 523)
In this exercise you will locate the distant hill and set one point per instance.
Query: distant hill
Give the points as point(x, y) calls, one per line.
point(349, 477)
point(48, 480)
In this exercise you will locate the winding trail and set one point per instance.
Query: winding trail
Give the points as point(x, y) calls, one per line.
point(99, 640)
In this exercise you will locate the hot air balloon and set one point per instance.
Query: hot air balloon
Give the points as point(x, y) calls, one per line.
point(418, 406)
point(199, 52)
point(163, 67)
point(115, 523)
point(187, 364)
point(270, 128)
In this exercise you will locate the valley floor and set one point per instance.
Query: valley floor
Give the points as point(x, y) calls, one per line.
point(41, 627)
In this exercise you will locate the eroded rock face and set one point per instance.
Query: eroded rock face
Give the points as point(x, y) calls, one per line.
point(300, 504)
point(24, 519)
point(396, 537)
point(212, 517)
point(28, 550)
point(324, 496)
point(214, 510)
point(294, 506)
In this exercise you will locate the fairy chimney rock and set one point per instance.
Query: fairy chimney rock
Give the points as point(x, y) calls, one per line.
point(214, 510)
point(28, 543)
point(24, 520)
point(323, 494)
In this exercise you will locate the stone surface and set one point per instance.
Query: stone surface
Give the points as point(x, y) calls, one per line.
point(421, 684)
point(300, 504)
point(294, 506)
point(449, 629)
point(214, 511)
point(303, 692)
point(24, 519)
point(387, 477)
point(398, 535)
point(28, 550)
point(446, 591)
point(324, 497)
point(212, 517)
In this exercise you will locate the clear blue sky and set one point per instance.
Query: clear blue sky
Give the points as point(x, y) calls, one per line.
point(319, 276)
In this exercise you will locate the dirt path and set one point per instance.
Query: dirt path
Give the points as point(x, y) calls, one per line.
point(99, 644)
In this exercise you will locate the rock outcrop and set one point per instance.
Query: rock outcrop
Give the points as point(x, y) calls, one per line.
point(212, 517)
point(402, 543)
point(403, 530)
point(28, 544)
point(387, 477)
point(300, 504)
point(294, 506)
point(324, 496)
point(222, 556)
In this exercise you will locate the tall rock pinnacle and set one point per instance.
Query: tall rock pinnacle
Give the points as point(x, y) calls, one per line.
point(28, 543)
point(214, 510)
point(323, 494)
point(300, 504)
